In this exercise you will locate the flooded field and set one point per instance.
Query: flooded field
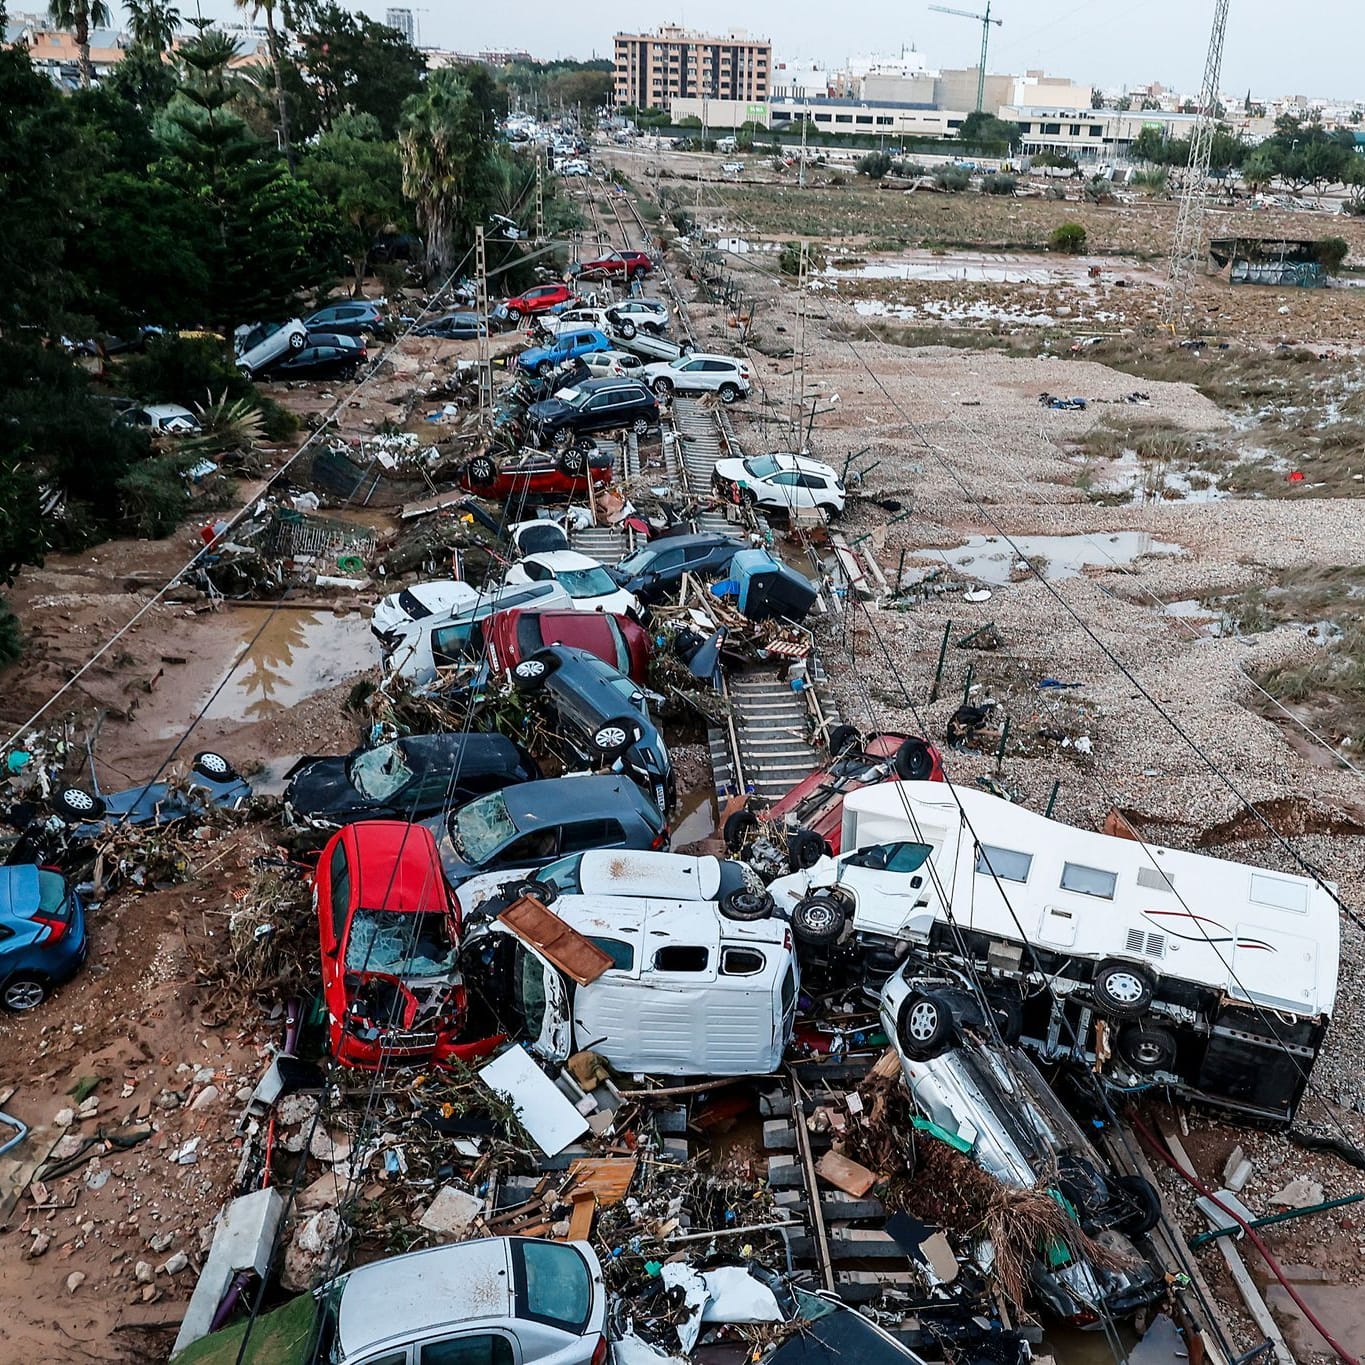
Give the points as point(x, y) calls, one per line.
point(995, 561)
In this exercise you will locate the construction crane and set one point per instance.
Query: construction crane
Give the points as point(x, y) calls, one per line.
point(985, 21)
point(1187, 243)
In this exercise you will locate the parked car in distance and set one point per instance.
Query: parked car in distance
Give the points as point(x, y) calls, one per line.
point(435, 598)
point(567, 346)
point(354, 317)
point(539, 472)
point(499, 225)
point(342, 341)
point(638, 315)
point(452, 327)
point(588, 584)
point(161, 419)
point(700, 372)
point(613, 365)
point(260, 345)
point(317, 362)
point(534, 823)
point(575, 168)
point(602, 715)
point(594, 405)
point(657, 567)
point(511, 636)
point(780, 483)
point(631, 265)
point(406, 779)
point(42, 935)
point(538, 300)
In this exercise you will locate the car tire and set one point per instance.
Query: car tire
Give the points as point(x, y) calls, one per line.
point(482, 471)
point(297, 341)
point(831, 511)
point(747, 904)
point(728, 394)
point(612, 738)
point(627, 329)
point(818, 920)
point(738, 826)
point(748, 497)
point(514, 314)
point(913, 761)
point(686, 348)
point(22, 993)
point(638, 273)
point(213, 766)
point(805, 848)
point(544, 892)
point(925, 1026)
point(544, 369)
point(76, 805)
point(1147, 1048)
point(663, 389)
point(843, 738)
point(529, 674)
point(1122, 989)
point(1146, 1210)
point(573, 462)
point(640, 426)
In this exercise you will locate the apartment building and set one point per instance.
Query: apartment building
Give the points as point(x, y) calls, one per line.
point(654, 69)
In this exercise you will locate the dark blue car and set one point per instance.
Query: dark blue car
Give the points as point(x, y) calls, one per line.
point(42, 935)
point(353, 318)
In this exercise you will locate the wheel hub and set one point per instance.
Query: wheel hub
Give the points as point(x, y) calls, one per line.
point(1124, 987)
point(922, 1022)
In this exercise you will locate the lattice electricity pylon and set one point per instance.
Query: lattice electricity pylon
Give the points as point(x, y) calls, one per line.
point(1187, 243)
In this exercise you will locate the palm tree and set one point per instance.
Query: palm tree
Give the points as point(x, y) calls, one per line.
point(267, 7)
point(80, 16)
point(153, 23)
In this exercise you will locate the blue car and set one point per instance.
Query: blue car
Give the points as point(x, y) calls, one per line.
point(543, 359)
point(352, 318)
point(42, 935)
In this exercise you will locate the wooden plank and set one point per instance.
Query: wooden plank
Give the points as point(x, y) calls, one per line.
point(1256, 1305)
point(584, 1209)
point(606, 1177)
point(822, 1253)
point(563, 946)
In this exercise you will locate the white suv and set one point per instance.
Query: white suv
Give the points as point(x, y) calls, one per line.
point(261, 345)
point(699, 372)
point(782, 482)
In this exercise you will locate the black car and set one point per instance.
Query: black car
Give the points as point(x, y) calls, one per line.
point(602, 715)
point(453, 327)
point(594, 405)
point(658, 566)
point(407, 779)
point(538, 822)
point(318, 362)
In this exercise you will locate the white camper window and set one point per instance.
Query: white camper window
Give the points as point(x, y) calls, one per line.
point(1005, 863)
point(1279, 893)
point(1089, 881)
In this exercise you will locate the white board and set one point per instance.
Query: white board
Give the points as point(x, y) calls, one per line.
point(544, 1111)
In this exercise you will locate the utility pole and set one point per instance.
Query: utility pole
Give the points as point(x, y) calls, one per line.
point(1187, 243)
point(985, 21)
point(540, 195)
point(799, 370)
point(485, 363)
point(801, 168)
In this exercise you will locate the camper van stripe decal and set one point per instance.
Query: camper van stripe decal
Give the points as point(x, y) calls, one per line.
point(1223, 936)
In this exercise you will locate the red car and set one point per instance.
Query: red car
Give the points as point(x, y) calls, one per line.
point(538, 300)
point(538, 471)
point(816, 804)
point(390, 933)
point(511, 636)
point(632, 264)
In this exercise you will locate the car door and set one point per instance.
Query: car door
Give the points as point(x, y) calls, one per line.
point(334, 912)
point(784, 490)
point(692, 375)
point(481, 1347)
point(889, 882)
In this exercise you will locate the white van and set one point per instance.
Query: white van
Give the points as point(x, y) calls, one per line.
point(688, 993)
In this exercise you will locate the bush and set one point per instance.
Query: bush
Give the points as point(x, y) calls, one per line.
point(952, 179)
point(11, 636)
point(1057, 160)
point(907, 170)
point(1330, 253)
point(1068, 238)
point(875, 165)
point(789, 260)
point(1154, 181)
point(1098, 190)
point(154, 496)
point(999, 184)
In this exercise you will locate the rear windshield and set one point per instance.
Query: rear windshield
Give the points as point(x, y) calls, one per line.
point(552, 1284)
point(412, 605)
point(51, 892)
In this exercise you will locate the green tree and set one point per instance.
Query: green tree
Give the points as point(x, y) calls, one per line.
point(1260, 166)
point(1068, 238)
point(80, 16)
point(988, 131)
point(143, 79)
point(276, 49)
point(153, 24)
point(875, 165)
point(1150, 145)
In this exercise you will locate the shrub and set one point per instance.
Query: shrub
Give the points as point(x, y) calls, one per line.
point(952, 179)
point(999, 184)
point(789, 259)
point(153, 495)
point(907, 170)
point(1099, 190)
point(1330, 253)
point(11, 636)
point(1068, 238)
point(1154, 180)
point(875, 165)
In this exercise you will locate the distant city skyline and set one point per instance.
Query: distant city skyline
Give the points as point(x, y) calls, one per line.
point(1106, 42)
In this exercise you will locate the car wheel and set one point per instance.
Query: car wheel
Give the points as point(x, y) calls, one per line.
point(1009, 1019)
point(640, 426)
point(843, 738)
point(925, 1026)
point(662, 389)
point(573, 462)
point(213, 766)
point(818, 920)
point(686, 348)
point(830, 510)
point(75, 804)
point(748, 497)
point(638, 273)
point(482, 470)
point(23, 993)
point(627, 329)
point(913, 761)
point(728, 393)
point(738, 826)
point(562, 439)
point(1122, 989)
point(805, 848)
point(541, 891)
point(530, 673)
point(1147, 1048)
point(614, 737)
point(544, 368)
point(297, 341)
point(1145, 1212)
point(746, 904)
point(513, 314)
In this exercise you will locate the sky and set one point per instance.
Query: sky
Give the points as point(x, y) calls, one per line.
point(1109, 43)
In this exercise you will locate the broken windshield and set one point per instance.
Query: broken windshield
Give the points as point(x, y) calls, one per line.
point(482, 827)
point(400, 944)
point(380, 773)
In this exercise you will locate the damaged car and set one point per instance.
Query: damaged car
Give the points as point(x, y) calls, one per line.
point(537, 472)
point(511, 636)
point(42, 935)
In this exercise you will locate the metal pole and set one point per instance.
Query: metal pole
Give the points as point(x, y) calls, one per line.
point(1004, 739)
point(967, 684)
point(540, 197)
point(801, 168)
point(981, 70)
point(942, 652)
point(485, 364)
point(1203, 1238)
point(1052, 798)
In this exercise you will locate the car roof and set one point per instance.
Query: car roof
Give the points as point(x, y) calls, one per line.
point(712, 355)
point(801, 462)
point(600, 382)
point(561, 559)
point(403, 1296)
point(699, 538)
point(18, 891)
point(636, 872)
point(556, 799)
point(167, 410)
point(394, 865)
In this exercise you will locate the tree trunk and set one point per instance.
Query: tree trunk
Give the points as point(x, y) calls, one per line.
point(273, 39)
point(83, 42)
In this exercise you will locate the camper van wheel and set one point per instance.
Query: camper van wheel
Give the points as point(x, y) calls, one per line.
point(914, 761)
point(737, 829)
point(1145, 1212)
point(1123, 989)
point(818, 920)
point(925, 1026)
point(213, 766)
point(843, 738)
point(1147, 1048)
point(746, 903)
point(805, 848)
point(75, 805)
point(544, 892)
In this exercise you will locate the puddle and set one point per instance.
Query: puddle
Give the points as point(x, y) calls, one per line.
point(1197, 616)
point(297, 654)
point(992, 560)
point(695, 819)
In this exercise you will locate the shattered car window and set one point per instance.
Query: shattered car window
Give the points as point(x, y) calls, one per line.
point(381, 773)
point(403, 945)
point(482, 827)
point(586, 582)
point(530, 1000)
